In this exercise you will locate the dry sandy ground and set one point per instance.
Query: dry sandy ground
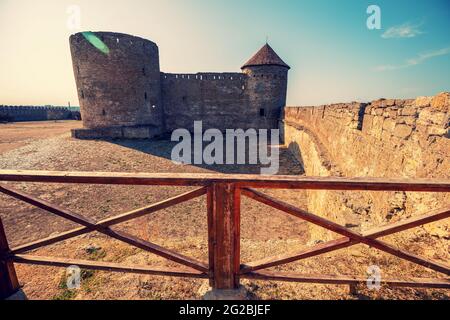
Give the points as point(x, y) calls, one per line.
point(265, 232)
point(15, 135)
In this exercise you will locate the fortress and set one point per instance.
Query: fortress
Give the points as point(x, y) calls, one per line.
point(123, 93)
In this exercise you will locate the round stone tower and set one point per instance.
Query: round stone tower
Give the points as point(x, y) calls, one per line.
point(267, 76)
point(119, 84)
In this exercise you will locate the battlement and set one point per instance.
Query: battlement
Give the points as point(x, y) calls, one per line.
point(204, 76)
point(32, 108)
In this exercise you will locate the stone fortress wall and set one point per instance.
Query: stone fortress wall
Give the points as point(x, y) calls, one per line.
point(223, 100)
point(124, 94)
point(218, 99)
point(384, 138)
point(36, 113)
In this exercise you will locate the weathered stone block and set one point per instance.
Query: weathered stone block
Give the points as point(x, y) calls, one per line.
point(389, 102)
point(378, 103)
point(421, 102)
point(389, 125)
point(386, 135)
point(367, 123)
point(379, 111)
point(437, 131)
point(408, 111)
point(377, 126)
point(136, 133)
point(429, 116)
point(409, 120)
point(402, 131)
point(104, 133)
point(392, 113)
point(441, 102)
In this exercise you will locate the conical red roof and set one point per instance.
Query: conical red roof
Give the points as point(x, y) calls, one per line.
point(265, 56)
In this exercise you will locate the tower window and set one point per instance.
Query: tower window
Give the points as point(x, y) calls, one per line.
point(262, 112)
point(82, 94)
point(145, 96)
point(143, 72)
point(104, 112)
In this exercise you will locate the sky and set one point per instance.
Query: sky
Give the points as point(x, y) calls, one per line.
point(334, 56)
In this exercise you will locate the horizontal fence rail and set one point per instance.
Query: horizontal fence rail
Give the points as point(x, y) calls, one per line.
point(223, 198)
point(240, 180)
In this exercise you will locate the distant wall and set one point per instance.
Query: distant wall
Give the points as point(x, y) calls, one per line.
point(384, 138)
point(29, 113)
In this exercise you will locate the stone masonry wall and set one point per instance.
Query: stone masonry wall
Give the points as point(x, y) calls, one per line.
point(384, 138)
point(217, 99)
point(29, 113)
point(266, 89)
point(119, 87)
point(224, 100)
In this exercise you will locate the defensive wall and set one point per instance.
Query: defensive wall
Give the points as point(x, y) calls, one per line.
point(384, 138)
point(36, 113)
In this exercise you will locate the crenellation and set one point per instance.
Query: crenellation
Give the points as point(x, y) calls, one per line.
point(204, 76)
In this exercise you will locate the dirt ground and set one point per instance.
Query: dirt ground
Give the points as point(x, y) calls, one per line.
point(16, 135)
point(265, 232)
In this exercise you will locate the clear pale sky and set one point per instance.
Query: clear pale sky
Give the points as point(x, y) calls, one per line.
point(333, 55)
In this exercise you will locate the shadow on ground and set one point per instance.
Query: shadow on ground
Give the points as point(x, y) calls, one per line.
point(288, 164)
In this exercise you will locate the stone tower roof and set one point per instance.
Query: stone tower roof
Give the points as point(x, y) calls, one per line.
point(265, 56)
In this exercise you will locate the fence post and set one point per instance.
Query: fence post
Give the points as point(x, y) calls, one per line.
point(226, 236)
point(211, 232)
point(8, 278)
